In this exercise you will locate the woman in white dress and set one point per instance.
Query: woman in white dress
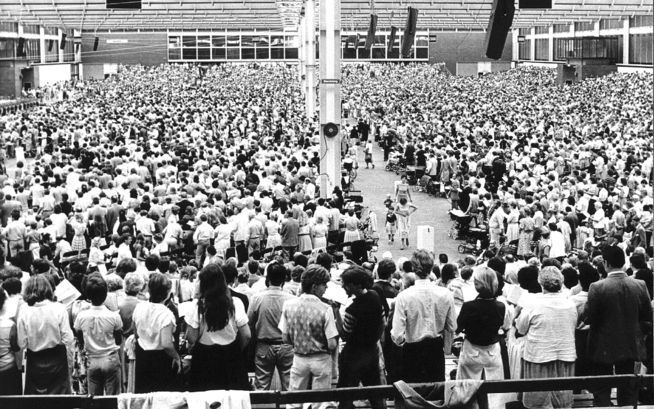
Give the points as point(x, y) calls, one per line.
point(223, 234)
point(272, 231)
point(319, 234)
point(351, 227)
point(403, 210)
point(513, 220)
point(304, 234)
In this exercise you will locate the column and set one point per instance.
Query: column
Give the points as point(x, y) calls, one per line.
point(310, 57)
point(330, 94)
point(301, 55)
point(550, 43)
point(43, 44)
point(515, 50)
point(532, 44)
point(625, 40)
point(60, 51)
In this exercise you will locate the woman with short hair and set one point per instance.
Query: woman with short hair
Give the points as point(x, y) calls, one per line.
point(217, 334)
point(157, 360)
point(480, 321)
point(44, 332)
point(549, 348)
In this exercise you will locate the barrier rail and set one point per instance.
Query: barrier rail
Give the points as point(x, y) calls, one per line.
point(277, 398)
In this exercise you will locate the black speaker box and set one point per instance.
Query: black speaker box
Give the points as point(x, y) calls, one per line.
point(535, 4)
point(62, 43)
point(20, 49)
point(50, 43)
point(95, 44)
point(409, 32)
point(124, 4)
point(498, 27)
point(372, 28)
point(391, 38)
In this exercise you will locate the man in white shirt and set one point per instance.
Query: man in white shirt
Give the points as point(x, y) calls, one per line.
point(202, 238)
point(424, 316)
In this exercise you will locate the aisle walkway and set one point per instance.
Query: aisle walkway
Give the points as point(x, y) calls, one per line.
point(376, 183)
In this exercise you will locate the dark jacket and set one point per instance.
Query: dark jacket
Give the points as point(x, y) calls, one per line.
point(619, 314)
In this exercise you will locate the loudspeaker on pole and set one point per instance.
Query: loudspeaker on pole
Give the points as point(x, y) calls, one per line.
point(62, 44)
point(499, 25)
point(95, 44)
point(20, 50)
point(409, 32)
point(391, 39)
point(372, 28)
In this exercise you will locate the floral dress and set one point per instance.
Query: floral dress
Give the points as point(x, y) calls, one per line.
point(79, 241)
point(526, 235)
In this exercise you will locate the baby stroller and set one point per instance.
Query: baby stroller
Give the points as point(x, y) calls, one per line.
point(396, 163)
point(477, 240)
point(461, 224)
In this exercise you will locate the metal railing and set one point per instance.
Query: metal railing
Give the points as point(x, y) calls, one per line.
point(275, 399)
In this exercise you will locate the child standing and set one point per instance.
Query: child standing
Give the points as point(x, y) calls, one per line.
point(391, 224)
point(100, 331)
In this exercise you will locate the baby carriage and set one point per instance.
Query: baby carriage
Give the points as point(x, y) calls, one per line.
point(396, 163)
point(461, 224)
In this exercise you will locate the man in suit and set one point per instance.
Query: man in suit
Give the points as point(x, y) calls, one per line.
point(289, 232)
point(619, 314)
point(111, 216)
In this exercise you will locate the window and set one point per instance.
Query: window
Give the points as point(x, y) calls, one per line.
point(9, 26)
point(361, 51)
point(524, 50)
point(174, 48)
point(584, 26)
point(379, 48)
point(31, 29)
point(218, 47)
point(542, 29)
point(52, 51)
point(640, 48)
point(33, 50)
point(276, 47)
point(347, 42)
point(7, 47)
point(524, 31)
point(561, 28)
point(234, 47)
point(247, 47)
point(608, 24)
point(292, 44)
point(204, 47)
point(541, 50)
point(641, 21)
point(52, 31)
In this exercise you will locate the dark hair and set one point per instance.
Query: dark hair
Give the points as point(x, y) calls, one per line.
point(325, 260)
point(466, 273)
point(614, 256)
point(276, 274)
point(296, 273)
point(386, 268)
point(448, 272)
point(159, 287)
point(570, 278)
point(637, 261)
point(215, 303)
point(497, 264)
point(152, 262)
point(587, 275)
point(125, 266)
point(96, 289)
point(315, 274)
point(12, 285)
point(646, 276)
point(301, 260)
point(357, 275)
point(528, 279)
point(422, 263)
point(230, 272)
point(443, 259)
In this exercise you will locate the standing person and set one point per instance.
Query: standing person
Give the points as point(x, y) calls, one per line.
point(496, 223)
point(263, 315)
point(10, 374)
point(217, 334)
point(480, 321)
point(361, 329)
point(202, 239)
point(368, 154)
point(44, 331)
point(391, 224)
point(290, 233)
point(157, 360)
point(404, 210)
point(424, 316)
point(549, 347)
point(618, 308)
point(100, 331)
point(308, 324)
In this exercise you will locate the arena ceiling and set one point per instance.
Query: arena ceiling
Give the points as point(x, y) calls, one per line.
point(92, 15)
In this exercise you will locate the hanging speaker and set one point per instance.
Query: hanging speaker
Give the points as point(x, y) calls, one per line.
point(356, 42)
point(498, 27)
point(124, 4)
point(372, 28)
point(95, 44)
point(20, 50)
point(50, 42)
point(62, 44)
point(391, 39)
point(409, 32)
point(330, 129)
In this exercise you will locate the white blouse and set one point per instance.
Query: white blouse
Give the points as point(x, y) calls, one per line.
point(224, 336)
point(150, 321)
point(44, 325)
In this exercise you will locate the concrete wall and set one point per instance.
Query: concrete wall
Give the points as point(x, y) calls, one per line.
point(463, 47)
point(474, 68)
point(51, 73)
point(633, 68)
point(125, 48)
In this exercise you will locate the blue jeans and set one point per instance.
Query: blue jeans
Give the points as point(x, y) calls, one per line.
point(103, 375)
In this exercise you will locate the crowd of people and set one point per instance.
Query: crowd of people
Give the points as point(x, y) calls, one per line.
point(168, 234)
